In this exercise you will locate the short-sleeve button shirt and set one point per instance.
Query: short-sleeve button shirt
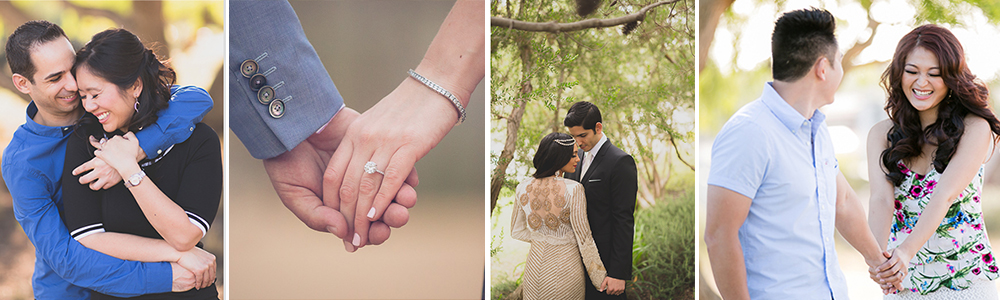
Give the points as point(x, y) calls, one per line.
point(785, 164)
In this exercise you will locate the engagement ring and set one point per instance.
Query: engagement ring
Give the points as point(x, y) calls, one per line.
point(371, 167)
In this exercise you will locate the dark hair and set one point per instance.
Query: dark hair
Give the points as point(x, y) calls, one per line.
point(799, 38)
point(551, 155)
point(966, 95)
point(118, 56)
point(26, 36)
point(584, 114)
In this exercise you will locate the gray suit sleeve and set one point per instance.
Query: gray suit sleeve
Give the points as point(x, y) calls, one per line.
point(270, 29)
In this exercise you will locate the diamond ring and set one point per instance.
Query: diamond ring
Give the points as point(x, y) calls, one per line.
point(371, 167)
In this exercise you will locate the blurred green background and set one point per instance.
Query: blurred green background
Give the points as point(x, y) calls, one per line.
point(643, 83)
point(187, 33)
point(367, 46)
point(735, 49)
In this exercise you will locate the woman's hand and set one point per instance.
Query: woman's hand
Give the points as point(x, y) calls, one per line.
point(393, 134)
point(201, 263)
point(893, 270)
point(119, 153)
point(873, 270)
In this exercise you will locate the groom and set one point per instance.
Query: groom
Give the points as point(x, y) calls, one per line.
point(775, 191)
point(41, 58)
point(608, 176)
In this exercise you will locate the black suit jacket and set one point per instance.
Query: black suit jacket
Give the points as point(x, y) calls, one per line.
point(611, 185)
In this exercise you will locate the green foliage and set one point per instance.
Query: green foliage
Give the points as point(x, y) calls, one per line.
point(643, 82)
point(663, 251)
point(502, 287)
point(949, 11)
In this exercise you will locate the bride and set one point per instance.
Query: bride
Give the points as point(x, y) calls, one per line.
point(551, 214)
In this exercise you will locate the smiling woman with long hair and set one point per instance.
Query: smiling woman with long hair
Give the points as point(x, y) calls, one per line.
point(165, 204)
point(926, 168)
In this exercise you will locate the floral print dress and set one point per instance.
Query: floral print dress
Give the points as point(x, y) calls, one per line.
point(958, 255)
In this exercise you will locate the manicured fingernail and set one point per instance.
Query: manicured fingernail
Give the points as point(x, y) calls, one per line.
point(348, 247)
point(357, 240)
point(334, 230)
point(371, 213)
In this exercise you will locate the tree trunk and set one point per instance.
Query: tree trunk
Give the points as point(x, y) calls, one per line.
point(148, 23)
point(513, 127)
point(710, 12)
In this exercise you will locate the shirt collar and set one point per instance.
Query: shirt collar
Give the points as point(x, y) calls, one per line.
point(597, 147)
point(788, 116)
point(43, 130)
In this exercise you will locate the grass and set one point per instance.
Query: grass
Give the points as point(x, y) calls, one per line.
point(662, 253)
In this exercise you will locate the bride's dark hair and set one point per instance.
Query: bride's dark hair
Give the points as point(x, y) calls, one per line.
point(118, 56)
point(552, 155)
point(967, 95)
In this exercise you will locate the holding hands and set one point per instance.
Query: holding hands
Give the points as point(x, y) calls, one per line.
point(890, 272)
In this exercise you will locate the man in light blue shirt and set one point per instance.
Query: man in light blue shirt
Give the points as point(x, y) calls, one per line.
point(41, 58)
point(775, 191)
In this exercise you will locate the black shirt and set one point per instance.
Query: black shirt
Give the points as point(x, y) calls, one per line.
point(189, 173)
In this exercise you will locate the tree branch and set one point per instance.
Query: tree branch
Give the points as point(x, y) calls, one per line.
point(574, 26)
point(678, 151)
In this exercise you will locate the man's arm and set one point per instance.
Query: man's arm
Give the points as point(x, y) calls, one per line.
point(188, 105)
point(726, 211)
point(269, 33)
point(80, 266)
point(853, 225)
point(624, 186)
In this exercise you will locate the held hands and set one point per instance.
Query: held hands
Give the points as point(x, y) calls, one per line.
point(201, 263)
point(119, 152)
point(612, 286)
point(102, 175)
point(393, 134)
point(890, 273)
point(183, 280)
point(297, 177)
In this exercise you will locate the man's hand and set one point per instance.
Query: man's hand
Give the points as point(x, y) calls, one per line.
point(202, 264)
point(890, 274)
point(101, 176)
point(613, 286)
point(394, 134)
point(297, 177)
point(183, 279)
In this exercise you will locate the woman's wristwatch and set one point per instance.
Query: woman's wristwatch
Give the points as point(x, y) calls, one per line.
point(135, 179)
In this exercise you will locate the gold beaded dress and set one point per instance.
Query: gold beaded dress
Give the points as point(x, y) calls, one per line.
point(551, 214)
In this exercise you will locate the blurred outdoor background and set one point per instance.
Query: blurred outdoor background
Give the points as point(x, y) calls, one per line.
point(643, 82)
point(367, 46)
point(735, 49)
point(187, 33)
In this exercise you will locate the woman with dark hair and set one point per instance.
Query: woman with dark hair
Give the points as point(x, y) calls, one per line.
point(550, 212)
point(165, 204)
point(926, 168)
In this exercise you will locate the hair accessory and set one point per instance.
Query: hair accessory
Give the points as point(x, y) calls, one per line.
point(443, 92)
point(566, 142)
point(371, 167)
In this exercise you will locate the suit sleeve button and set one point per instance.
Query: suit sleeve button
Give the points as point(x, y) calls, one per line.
point(257, 81)
point(265, 94)
point(248, 68)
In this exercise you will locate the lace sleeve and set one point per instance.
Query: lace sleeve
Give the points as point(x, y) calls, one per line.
point(518, 220)
point(584, 239)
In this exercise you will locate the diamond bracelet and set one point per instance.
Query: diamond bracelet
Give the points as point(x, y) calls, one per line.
point(443, 92)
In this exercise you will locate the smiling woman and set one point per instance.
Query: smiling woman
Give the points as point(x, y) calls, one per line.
point(926, 166)
point(159, 219)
